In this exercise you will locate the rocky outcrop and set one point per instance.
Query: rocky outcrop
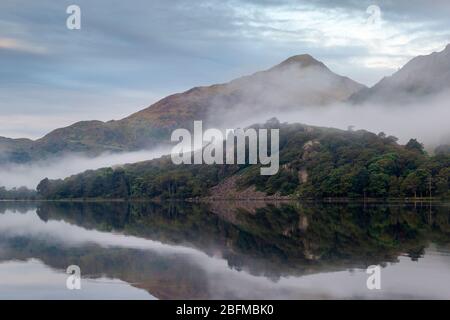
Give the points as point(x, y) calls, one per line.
point(229, 190)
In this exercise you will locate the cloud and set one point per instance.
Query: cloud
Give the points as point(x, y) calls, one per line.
point(13, 44)
point(29, 175)
point(388, 43)
point(163, 48)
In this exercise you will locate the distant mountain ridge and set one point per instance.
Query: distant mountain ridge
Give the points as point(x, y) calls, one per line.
point(420, 77)
point(300, 81)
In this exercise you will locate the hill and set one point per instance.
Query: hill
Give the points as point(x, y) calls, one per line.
point(315, 162)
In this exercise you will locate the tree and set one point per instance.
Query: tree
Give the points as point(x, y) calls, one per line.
point(378, 184)
point(442, 182)
point(414, 145)
point(44, 188)
point(360, 182)
point(415, 183)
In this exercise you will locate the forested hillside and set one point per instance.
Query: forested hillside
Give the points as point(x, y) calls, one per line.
point(314, 163)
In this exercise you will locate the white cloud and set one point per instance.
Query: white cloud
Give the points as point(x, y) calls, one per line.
point(29, 175)
point(388, 44)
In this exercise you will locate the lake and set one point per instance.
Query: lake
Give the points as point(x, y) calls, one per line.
point(224, 250)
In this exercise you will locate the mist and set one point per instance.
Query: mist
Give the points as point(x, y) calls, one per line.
point(426, 122)
point(30, 174)
point(423, 117)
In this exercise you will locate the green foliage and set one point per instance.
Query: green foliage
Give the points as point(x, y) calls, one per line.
point(314, 162)
point(413, 144)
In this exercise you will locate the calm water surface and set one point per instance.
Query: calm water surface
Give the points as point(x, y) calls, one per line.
point(224, 250)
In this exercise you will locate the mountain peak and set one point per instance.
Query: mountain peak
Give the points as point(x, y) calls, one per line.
point(305, 60)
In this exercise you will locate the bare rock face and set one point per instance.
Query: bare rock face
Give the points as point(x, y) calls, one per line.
point(309, 149)
point(228, 190)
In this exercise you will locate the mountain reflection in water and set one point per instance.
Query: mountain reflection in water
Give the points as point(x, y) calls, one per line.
point(226, 250)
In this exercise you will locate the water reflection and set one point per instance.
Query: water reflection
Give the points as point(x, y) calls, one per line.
point(236, 250)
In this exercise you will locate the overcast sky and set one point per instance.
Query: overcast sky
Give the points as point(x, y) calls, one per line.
point(128, 54)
